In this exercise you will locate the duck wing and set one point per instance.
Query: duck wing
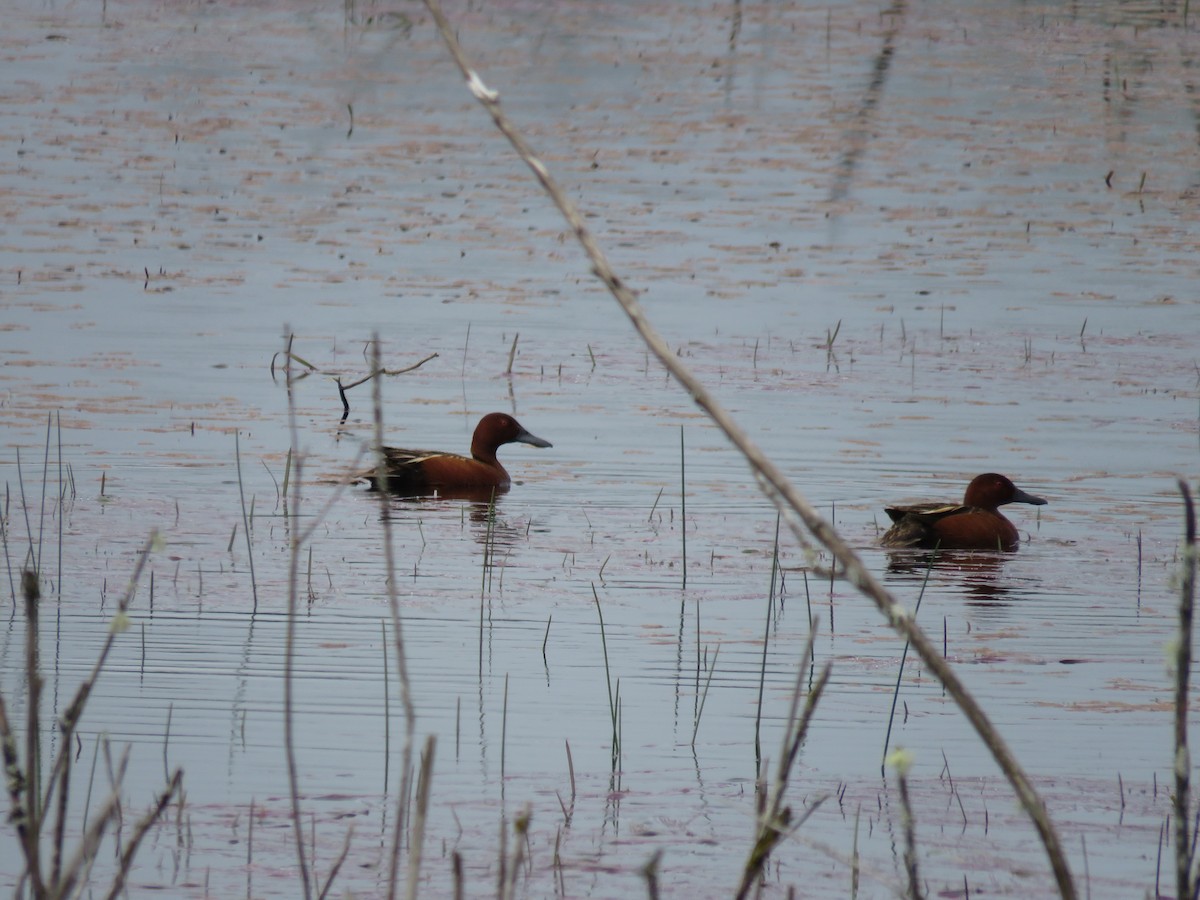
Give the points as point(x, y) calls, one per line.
point(924, 512)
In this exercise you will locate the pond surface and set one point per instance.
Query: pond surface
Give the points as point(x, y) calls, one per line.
point(904, 245)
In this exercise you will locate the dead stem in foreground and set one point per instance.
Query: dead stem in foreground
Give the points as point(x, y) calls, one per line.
point(901, 761)
point(29, 811)
point(289, 726)
point(775, 820)
point(801, 515)
point(1186, 882)
point(410, 715)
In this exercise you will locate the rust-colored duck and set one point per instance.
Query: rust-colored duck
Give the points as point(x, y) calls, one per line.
point(419, 472)
point(975, 524)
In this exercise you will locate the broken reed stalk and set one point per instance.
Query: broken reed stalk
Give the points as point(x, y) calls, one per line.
point(140, 830)
point(801, 515)
point(12, 585)
point(708, 681)
point(683, 505)
point(503, 732)
point(42, 504)
point(62, 515)
point(237, 452)
point(167, 740)
point(420, 816)
point(1185, 845)
point(510, 869)
point(32, 811)
point(337, 864)
point(612, 705)
point(774, 820)
point(489, 548)
point(571, 771)
point(762, 677)
point(410, 715)
point(650, 518)
point(387, 705)
point(35, 550)
point(855, 863)
point(512, 353)
point(293, 587)
point(887, 737)
point(901, 760)
point(650, 873)
point(762, 673)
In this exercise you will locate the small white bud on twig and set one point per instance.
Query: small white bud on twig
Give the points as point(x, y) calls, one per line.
point(481, 90)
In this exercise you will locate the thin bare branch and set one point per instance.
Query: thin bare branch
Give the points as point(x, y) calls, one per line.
point(139, 832)
point(379, 370)
point(776, 485)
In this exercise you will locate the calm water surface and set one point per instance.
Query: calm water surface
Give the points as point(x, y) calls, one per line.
point(985, 261)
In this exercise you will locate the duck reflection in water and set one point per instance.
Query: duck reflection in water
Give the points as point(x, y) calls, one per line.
point(978, 575)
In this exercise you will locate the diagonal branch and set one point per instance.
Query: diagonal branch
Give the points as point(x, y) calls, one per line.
point(776, 486)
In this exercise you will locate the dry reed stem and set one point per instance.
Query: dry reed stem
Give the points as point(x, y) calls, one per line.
point(420, 817)
point(74, 710)
point(31, 590)
point(1185, 850)
point(704, 696)
point(683, 507)
point(612, 701)
point(237, 453)
point(410, 715)
point(650, 873)
point(60, 817)
point(510, 870)
point(14, 779)
point(902, 761)
point(776, 485)
point(337, 864)
point(174, 786)
point(887, 737)
point(79, 866)
point(775, 821)
point(854, 858)
point(289, 727)
point(456, 868)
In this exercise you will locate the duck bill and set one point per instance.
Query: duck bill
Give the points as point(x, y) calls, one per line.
point(1021, 497)
point(533, 440)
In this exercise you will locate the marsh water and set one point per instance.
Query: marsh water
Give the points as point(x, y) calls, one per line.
point(905, 245)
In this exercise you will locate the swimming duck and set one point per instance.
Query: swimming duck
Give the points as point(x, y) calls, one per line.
point(976, 524)
point(417, 472)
